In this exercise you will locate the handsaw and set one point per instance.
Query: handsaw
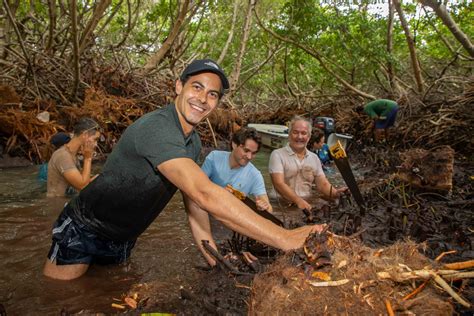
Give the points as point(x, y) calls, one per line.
point(251, 203)
point(342, 163)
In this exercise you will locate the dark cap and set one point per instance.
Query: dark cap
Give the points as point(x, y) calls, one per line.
point(60, 139)
point(205, 65)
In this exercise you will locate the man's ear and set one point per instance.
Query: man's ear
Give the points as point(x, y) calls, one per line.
point(178, 86)
point(234, 145)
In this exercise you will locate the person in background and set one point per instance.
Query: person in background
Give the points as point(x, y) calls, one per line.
point(234, 168)
point(63, 167)
point(294, 169)
point(57, 140)
point(319, 147)
point(384, 114)
point(156, 156)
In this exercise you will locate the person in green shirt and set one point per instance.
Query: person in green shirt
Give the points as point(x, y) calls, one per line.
point(384, 114)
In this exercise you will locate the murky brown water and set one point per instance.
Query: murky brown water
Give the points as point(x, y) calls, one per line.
point(165, 252)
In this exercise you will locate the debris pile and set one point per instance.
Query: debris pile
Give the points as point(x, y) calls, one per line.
point(359, 280)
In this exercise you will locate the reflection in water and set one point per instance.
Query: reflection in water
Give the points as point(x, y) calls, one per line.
point(165, 252)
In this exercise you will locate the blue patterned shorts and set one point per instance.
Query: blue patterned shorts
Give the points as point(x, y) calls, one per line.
point(74, 243)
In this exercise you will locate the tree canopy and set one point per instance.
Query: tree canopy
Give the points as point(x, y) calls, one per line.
point(295, 50)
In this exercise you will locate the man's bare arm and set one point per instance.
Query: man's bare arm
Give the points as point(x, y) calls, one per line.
point(288, 193)
point(327, 189)
point(79, 179)
point(189, 178)
point(200, 227)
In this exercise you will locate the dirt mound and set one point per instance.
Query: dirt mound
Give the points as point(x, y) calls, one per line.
point(286, 289)
point(428, 169)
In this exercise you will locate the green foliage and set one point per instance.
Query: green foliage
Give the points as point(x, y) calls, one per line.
point(351, 39)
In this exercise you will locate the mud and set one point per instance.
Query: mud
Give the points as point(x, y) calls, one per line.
point(395, 211)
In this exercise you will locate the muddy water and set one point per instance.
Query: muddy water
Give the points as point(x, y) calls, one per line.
point(165, 252)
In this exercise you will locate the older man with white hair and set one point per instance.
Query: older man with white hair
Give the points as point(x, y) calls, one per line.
point(294, 169)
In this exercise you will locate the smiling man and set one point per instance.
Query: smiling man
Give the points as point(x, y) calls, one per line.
point(232, 168)
point(294, 169)
point(154, 158)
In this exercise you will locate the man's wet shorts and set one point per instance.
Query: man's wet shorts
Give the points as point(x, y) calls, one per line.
point(389, 121)
point(74, 243)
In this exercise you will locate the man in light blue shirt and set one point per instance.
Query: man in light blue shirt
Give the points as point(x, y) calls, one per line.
point(235, 169)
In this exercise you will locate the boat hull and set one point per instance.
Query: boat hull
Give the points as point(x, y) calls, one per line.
point(272, 135)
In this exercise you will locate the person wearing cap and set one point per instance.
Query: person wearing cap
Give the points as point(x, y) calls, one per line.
point(64, 170)
point(57, 140)
point(294, 169)
point(155, 156)
point(384, 114)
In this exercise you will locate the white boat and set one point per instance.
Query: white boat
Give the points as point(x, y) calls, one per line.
point(273, 136)
point(276, 136)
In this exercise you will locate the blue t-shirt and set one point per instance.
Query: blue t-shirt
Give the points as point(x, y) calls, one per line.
point(246, 179)
point(323, 154)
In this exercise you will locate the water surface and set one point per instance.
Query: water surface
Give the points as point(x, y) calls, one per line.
point(165, 252)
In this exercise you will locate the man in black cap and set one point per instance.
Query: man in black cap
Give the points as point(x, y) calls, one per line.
point(154, 157)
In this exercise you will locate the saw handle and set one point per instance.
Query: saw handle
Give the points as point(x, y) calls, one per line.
point(337, 150)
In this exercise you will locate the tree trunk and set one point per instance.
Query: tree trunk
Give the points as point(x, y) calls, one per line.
point(92, 24)
point(443, 14)
point(75, 48)
point(155, 60)
point(52, 26)
point(234, 78)
point(231, 33)
point(390, 44)
point(3, 32)
point(5, 26)
point(411, 45)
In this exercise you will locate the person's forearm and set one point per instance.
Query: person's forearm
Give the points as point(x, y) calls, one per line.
point(86, 171)
point(263, 202)
point(189, 178)
point(327, 190)
point(237, 216)
point(200, 227)
point(287, 193)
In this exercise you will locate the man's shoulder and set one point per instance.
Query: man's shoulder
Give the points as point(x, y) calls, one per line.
point(312, 154)
point(218, 153)
point(60, 154)
point(280, 151)
point(164, 112)
point(251, 168)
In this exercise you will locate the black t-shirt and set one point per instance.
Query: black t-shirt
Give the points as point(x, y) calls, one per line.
point(130, 192)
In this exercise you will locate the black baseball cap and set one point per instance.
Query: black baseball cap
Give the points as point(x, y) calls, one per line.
point(205, 65)
point(60, 139)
